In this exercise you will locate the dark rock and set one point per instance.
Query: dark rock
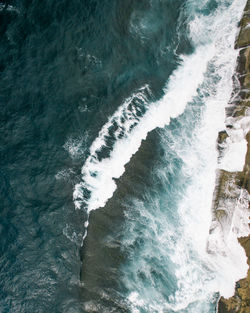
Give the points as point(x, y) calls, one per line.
point(222, 136)
point(244, 35)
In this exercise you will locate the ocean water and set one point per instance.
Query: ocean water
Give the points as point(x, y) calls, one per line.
point(110, 112)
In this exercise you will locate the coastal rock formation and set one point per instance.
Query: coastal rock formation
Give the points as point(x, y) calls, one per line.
point(244, 35)
point(240, 302)
point(235, 185)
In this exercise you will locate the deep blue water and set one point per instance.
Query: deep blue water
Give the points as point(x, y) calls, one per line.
point(65, 68)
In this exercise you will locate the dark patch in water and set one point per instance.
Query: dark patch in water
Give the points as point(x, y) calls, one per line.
point(65, 66)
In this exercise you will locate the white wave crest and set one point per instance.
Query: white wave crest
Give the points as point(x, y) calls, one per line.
point(98, 175)
point(205, 262)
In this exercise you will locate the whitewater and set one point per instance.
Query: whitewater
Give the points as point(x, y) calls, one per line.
point(201, 265)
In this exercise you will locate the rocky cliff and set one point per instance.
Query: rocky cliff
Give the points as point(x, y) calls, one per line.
point(238, 112)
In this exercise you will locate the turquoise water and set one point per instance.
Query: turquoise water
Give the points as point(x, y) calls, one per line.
point(109, 117)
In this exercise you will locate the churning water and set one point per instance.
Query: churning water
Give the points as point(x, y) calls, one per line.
point(118, 103)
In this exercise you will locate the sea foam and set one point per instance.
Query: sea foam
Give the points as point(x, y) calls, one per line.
point(235, 146)
point(98, 176)
point(205, 263)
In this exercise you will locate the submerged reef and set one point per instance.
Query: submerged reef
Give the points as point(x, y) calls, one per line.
point(234, 185)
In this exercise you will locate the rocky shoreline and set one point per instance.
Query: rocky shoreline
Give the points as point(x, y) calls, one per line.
point(229, 183)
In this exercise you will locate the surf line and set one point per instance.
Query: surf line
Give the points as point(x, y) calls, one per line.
point(98, 185)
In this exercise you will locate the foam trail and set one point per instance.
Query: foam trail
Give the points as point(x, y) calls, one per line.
point(203, 263)
point(220, 261)
point(98, 176)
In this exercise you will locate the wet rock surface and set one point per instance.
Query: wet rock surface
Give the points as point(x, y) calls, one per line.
point(239, 107)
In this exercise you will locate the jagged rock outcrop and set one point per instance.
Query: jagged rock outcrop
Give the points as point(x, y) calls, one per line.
point(238, 109)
